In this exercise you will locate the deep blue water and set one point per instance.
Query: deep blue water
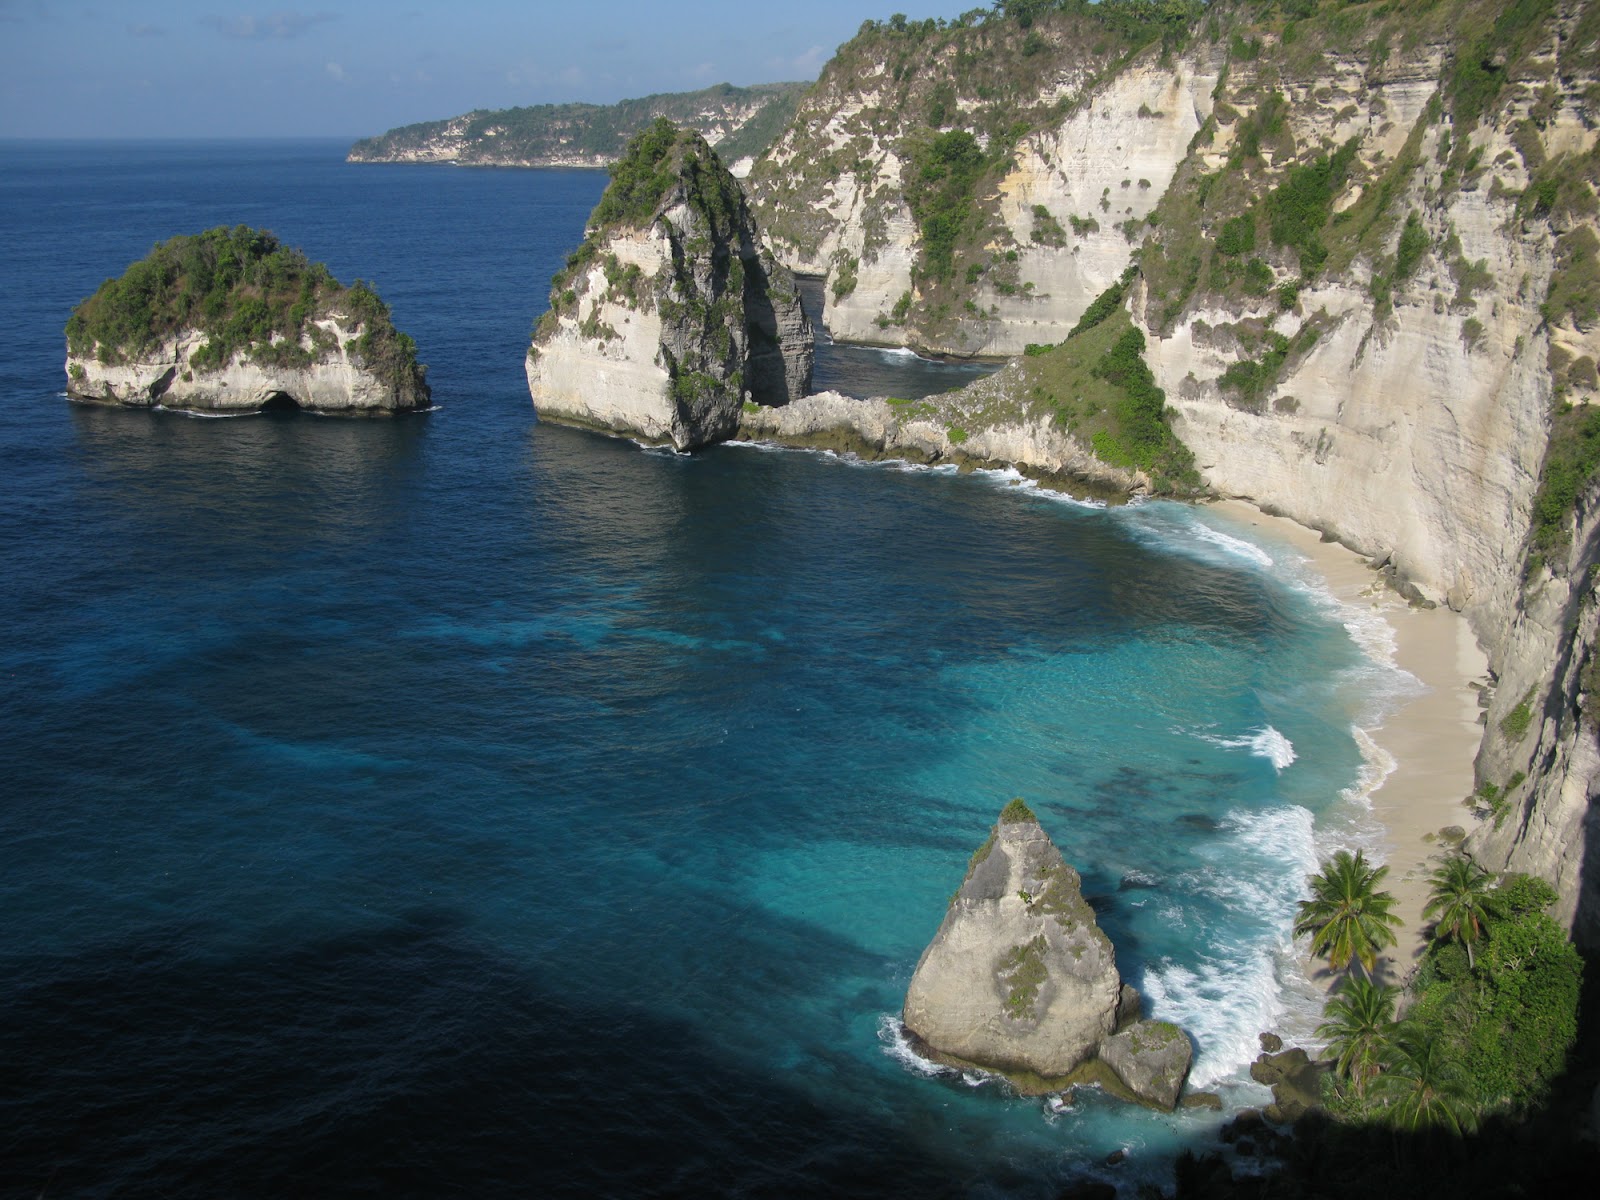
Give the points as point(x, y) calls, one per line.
point(457, 804)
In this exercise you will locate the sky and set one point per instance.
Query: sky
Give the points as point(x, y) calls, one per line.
point(350, 68)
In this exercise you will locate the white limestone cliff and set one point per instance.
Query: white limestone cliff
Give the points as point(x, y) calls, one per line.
point(1060, 214)
point(1540, 758)
point(335, 381)
point(1406, 412)
point(667, 323)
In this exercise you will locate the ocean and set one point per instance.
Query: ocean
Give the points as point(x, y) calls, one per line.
point(458, 804)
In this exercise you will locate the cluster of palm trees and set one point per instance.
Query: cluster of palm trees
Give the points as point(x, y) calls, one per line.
point(1406, 1075)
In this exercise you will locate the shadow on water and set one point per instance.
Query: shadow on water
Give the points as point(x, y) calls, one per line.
point(1547, 1155)
point(458, 1077)
point(870, 371)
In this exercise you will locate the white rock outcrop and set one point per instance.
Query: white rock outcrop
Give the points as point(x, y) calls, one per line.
point(930, 431)
point(1019, 977)
point(665, 327)
point(336, 381)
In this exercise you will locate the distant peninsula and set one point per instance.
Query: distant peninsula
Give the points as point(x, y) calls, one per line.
point(229, 320)
point(741, 122)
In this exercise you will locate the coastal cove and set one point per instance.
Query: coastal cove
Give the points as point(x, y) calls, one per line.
point(462, 802)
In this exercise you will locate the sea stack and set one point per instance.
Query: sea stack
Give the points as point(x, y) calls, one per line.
point(672, 315)
point(1021, 980)
point(231, 321)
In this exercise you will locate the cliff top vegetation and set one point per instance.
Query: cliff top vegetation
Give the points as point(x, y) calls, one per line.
point(248, 294)
point(660, 158)
point(598, 130)
point(661, 163)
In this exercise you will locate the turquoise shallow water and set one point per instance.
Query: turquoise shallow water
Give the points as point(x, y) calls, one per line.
point(464, 803)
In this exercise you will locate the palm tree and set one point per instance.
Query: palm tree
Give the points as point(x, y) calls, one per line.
point(1458, 899)
point(1423, 1088)
point(1358, 1027)
point(1347, 917)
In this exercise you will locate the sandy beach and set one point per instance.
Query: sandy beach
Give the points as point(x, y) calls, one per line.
point(1432, 738)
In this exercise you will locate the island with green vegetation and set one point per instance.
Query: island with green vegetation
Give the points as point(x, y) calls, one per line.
point(230, 320)
point(739, 121)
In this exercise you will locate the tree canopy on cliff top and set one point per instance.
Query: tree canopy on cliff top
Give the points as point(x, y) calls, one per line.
point(247, 293)
point(543, 131)
point(659, 159)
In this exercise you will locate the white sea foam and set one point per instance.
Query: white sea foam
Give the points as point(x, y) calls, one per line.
point(1226, 997)
point(1238, 547)
point(1010, 477)
point(1176, 530)
point(1377, 764)
point(1265, 742)
point(897, 1045)
point(892, 1036)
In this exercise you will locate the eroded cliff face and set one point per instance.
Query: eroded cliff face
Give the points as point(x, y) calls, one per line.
point(1405, 415)
point(671, 316)
point(337, 379)
point(1540, 758)
point(1366, 275)
point(1093, 144)
point(1400, 394)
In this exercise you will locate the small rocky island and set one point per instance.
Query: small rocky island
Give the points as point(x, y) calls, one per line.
point(231, 321)
point(672, 315)
point(1020, 980)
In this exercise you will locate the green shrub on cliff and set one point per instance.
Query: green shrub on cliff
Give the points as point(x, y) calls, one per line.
point(653, 164)
point(940, 194)
point(1098, 387)
point(1571, 467)
point(247, 293)
point(1507, 1018)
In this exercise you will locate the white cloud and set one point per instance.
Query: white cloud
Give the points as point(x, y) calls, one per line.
point(281, 25)
point(805, 65)
point(335, 72)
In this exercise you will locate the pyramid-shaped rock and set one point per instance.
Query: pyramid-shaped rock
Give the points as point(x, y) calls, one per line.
point(1019, 977)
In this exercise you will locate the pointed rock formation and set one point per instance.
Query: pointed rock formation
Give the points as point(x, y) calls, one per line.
point(671, 315)
point(1019, 978)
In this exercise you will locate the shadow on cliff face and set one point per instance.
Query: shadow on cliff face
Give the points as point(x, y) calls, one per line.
point(280, 404)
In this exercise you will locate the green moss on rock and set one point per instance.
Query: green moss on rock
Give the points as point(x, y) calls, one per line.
point(1016, 811)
